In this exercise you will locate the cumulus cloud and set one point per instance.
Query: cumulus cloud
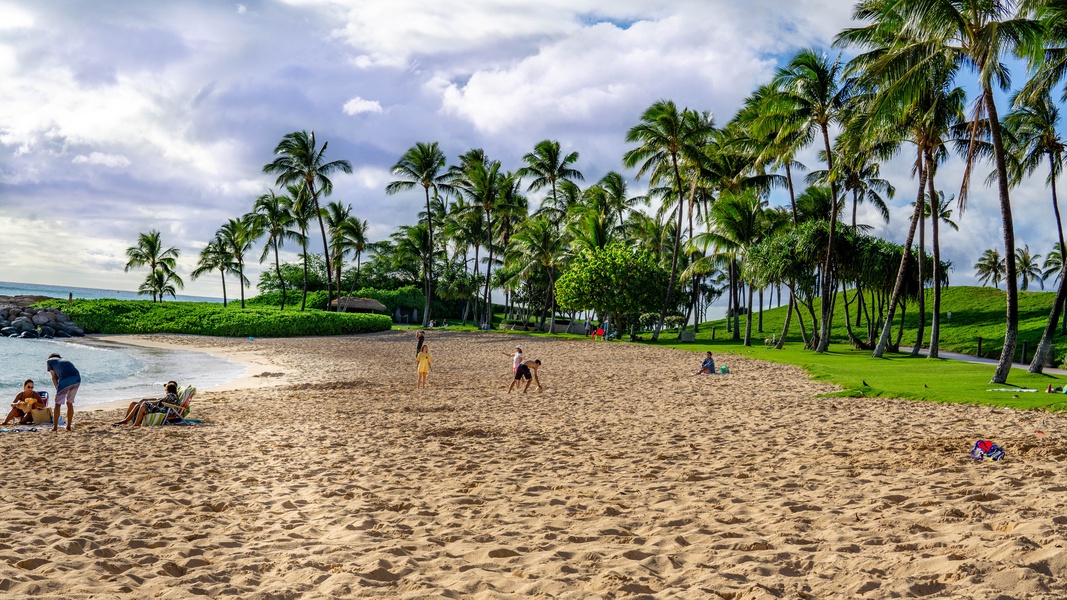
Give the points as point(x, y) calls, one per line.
point(99, 158)
point(358, 105)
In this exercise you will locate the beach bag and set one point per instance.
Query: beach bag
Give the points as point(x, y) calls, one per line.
point(41, 415)
point(724, 370)
point(986, 450)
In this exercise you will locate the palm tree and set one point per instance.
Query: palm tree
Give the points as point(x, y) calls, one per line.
point(1029, 268)
point(547, 166)
point(976, 34)
point(615, 196)
point(353, 234)
point(300, 160)
point(149, 251)
point(738, 223)
point(160, 282)
point(239, 235)
point(990, 268)
point(423, 164)
point(481, 185)
point(664, 135)
point(1053, 265)
point(537, 244)
point(939, 213)
point(274, 218)
point(1033, 137)
point(336, 214)
point(215, 255)
point(814, 95)
point(1050, 67)
point(298, 203)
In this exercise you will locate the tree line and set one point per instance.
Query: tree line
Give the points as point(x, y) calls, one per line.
point(712, 230)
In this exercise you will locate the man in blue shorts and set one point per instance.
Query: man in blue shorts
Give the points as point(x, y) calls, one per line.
point(66, 378)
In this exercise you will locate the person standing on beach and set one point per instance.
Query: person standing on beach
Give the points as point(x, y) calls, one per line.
point(516, 358)
point(423, 365)
point(67, 379)
point(527, 370)
point(420, 339)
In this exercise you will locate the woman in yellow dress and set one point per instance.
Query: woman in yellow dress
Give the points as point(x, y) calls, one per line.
point(423, 365)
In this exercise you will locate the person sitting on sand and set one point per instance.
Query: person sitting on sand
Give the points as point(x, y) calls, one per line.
point(707, 367)
point(24, 403)
point(423, 366)
point(137, 410)
point(527, 370)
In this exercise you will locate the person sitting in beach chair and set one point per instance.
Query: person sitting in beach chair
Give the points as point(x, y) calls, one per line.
point(137, 410)
point(707, 366)
point(25, 402)
point(164, 412)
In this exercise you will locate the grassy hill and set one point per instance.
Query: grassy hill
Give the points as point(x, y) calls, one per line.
point(976, 312)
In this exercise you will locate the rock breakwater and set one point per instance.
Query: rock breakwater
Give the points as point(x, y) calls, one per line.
point(19, 319)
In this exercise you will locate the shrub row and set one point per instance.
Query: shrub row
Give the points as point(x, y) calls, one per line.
point(205, 318)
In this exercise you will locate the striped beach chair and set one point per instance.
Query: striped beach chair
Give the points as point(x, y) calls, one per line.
point(173, 413)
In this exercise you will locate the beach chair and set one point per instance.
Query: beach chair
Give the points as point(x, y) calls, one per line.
point(173, 413)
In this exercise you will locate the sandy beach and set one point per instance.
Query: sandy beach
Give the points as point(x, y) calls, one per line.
point(325, 474)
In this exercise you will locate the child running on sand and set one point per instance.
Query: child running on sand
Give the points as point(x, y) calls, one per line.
point(423, 367)
point(527, 370)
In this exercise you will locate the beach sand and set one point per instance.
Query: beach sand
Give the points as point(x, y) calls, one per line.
point(325, 474)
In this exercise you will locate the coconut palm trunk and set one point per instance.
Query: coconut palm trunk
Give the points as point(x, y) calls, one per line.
point(1011, 284)
point(674, 255)
point(828, 264)
point(1037, 365)
point(898, 286)
point(921, 254)
point(935, 217)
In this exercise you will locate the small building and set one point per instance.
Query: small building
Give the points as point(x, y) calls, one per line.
point(362, 305)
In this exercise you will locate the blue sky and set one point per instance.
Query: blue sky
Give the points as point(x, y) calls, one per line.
point(124, 116)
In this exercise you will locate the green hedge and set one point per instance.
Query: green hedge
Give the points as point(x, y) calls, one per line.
point(206, 318)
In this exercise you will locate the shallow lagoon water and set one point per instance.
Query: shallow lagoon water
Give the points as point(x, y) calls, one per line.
point(110, 371)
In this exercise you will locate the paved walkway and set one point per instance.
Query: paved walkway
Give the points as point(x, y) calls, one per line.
point(980, 360)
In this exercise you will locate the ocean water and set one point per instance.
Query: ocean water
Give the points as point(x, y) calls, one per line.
point(110, 371)
point(55, 291)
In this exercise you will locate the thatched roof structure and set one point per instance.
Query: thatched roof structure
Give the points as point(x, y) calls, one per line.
point(358, 304)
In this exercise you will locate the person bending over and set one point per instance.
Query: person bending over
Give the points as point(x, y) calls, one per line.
point(137, 410)
point(527, 370)
point(67, 380)
point(24, 403)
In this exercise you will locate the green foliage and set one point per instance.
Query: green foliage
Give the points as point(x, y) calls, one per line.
point(406, 297)
point(315, 300)
point(206, 318)
point(613, 280)
point(293, 274)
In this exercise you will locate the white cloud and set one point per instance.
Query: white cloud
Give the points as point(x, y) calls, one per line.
point(358, 105)
point(241, 9)
point(99, 158)
point(13, 17)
